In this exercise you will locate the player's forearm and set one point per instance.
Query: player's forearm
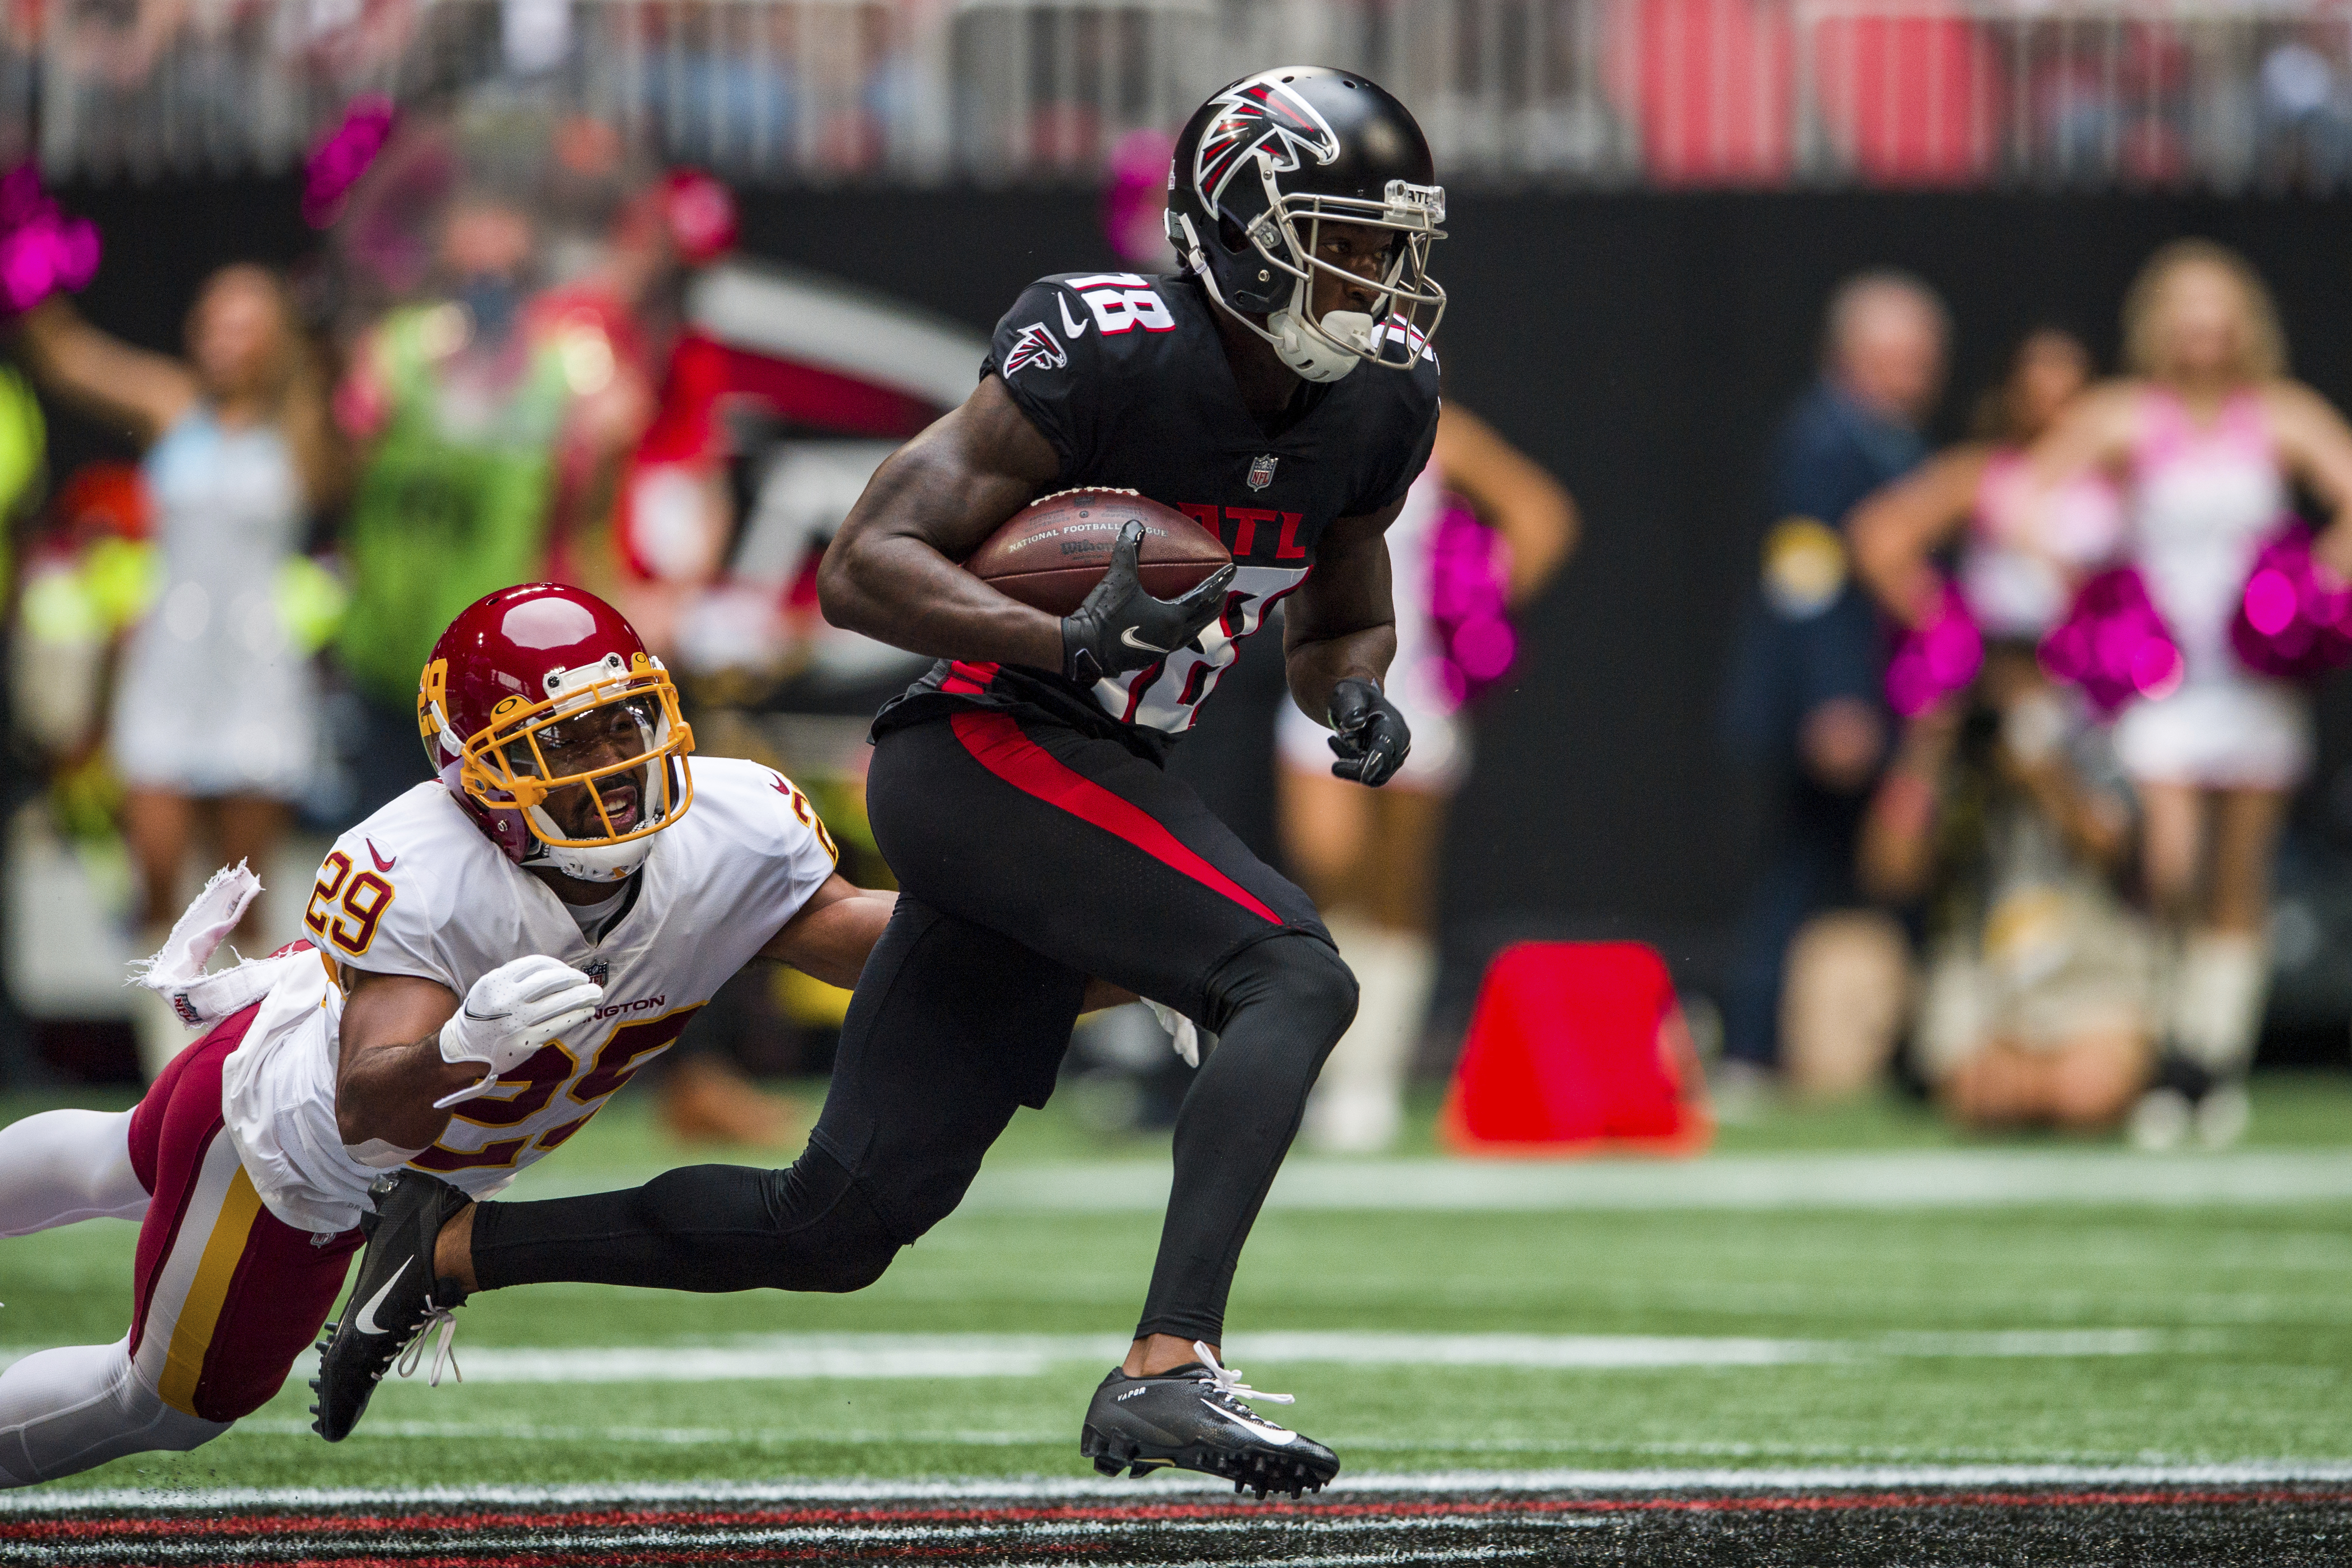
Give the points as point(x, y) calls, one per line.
point(1317, 665)
point(386, 1093)
point(900, 590)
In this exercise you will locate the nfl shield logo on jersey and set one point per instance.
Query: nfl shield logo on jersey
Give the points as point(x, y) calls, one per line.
point(598, 972)
point(1261, 472)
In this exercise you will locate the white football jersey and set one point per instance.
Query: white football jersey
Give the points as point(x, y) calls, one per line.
point(417, 889)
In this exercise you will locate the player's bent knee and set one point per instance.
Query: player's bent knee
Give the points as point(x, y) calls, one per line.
point(831, 1237)
point(1299, 973)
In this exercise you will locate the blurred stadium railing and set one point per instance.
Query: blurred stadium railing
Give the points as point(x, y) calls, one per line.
point(2215, 94)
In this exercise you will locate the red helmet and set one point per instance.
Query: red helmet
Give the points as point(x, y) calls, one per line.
point(502, 705)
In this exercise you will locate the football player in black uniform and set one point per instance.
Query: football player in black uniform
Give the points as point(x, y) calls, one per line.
point(1281, 392)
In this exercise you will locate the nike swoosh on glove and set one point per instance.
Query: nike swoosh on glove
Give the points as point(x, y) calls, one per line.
point(1119, 627)
point(509, 1013)
point(1369, 737)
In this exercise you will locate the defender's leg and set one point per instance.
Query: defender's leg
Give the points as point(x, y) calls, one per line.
point(62, 1166)
point(226, 1295)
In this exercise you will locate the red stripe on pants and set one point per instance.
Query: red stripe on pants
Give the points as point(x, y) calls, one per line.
point(967, 680)
point(996, 743)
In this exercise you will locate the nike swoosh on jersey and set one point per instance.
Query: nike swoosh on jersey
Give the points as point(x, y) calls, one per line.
point(1128, 637)
point(1075, 329)
point(367, 1313)
point(1274, 1434)
point(377, 855)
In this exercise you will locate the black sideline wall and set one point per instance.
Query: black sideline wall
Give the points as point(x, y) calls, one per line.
point(1640, 346)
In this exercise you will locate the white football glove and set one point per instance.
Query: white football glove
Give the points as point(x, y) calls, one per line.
point(511, 1012)
point(1181, 1032)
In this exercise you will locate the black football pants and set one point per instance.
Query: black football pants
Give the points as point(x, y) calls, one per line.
point(1031, 856)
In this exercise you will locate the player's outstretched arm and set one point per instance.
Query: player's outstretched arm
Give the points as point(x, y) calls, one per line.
point(840, 924)
point(391, 1071)
point(410, 1050)
point(831, 934)
point(891, 571)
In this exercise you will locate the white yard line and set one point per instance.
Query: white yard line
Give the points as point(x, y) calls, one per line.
point(1905, 1180)
point(1083, 1489)
point(792, 1358)
point(1898, 1179)
point(1058, 1436)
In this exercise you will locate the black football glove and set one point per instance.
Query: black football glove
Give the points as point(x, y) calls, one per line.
point(1119, 627)
point(1371, 738)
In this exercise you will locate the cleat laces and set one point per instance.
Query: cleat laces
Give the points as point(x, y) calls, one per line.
point(410, 1359)
point(1227, 1388)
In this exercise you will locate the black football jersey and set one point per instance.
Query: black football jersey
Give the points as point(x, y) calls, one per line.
point(1127, 377)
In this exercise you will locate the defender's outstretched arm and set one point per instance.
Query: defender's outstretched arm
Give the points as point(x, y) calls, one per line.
point(831, 936)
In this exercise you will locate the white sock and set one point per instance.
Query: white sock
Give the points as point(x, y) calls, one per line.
point(64, 1411)
point(66, 1165)
point(2217, 999)
point(1358, 1103)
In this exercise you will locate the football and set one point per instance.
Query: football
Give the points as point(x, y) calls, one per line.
point(1052, 551)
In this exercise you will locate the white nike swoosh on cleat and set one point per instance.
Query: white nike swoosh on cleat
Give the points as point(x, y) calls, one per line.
point(1128, 637)
point(367, 1324)
point(1274, 1434)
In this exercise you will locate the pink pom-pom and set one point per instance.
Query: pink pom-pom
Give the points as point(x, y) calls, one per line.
point(339, 157)
point(700, 212)
point(2295, 619)
point(78, 252)
point(28, 272)
point(1467, 584)
point(1135, 200)
point(41, 249)
point(1936, 659)
point(2113, 643)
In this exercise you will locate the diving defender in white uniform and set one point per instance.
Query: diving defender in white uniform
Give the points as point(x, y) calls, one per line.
point(555, 879)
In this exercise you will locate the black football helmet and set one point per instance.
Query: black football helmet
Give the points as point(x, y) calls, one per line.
point(1262, 167)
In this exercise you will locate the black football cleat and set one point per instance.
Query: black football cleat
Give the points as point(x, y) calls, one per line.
point(393, 1301)
point(1193, 1418)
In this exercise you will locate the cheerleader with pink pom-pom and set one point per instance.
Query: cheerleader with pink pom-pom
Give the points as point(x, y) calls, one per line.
point(1997, 813)
point(1370, 855)
point(2205, 437)
point(2018, 560)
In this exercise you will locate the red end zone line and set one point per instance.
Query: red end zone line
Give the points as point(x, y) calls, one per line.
point(1132, 1513)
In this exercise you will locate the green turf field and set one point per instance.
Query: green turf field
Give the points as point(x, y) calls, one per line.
point(1813, 1293)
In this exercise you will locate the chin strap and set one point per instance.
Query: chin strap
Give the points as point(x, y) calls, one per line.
point(1318, 352)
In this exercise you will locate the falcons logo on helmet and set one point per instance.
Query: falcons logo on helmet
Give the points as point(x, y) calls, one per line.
point(1260, 112)
point(1036, 346)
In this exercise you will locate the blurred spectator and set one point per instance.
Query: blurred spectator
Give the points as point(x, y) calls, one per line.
point(23, 447)
point(465, 402)
point(2018, 560)
point(2004, 813)
point(2208, 437)
point(1804, 706)
point(214, 716)
point(2304, 115)
point(1369, 856)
